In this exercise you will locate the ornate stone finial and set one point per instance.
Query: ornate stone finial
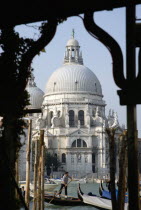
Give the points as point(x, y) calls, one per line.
point(73, 32)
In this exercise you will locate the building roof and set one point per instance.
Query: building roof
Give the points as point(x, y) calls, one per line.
point(73, 76)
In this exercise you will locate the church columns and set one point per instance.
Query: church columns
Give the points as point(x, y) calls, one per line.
point(99, 156)
point(103, 152)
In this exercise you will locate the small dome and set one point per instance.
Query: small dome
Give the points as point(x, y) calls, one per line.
point(73, 78)
point(72, 42)
point(36, 97)
point(36, 94)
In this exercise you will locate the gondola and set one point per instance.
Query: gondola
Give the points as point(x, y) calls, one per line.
point(70, 201)
point(107, 195)
point(96, 201)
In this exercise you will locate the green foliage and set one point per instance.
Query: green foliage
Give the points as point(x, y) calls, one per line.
point(13, 101)
point(16, 55)
point(51, 159)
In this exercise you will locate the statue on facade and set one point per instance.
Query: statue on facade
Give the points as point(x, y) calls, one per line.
point(98, 120)
point(39, 123)
point(113, 120)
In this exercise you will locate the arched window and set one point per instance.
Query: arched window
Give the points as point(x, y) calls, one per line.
point(63, 158)
point(79, 143)
point(71, 118)
point(81, 117)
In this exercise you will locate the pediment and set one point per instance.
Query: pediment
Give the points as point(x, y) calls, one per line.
point(78, 132)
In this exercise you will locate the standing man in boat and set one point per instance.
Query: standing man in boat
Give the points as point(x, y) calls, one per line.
point(64, 184)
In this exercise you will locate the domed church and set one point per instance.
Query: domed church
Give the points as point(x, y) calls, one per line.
point(74, 116)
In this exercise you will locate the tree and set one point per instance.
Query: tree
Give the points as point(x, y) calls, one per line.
point(15, 63)
point(49, 160)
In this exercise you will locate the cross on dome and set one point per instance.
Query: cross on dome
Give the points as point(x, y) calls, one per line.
point(73, 32)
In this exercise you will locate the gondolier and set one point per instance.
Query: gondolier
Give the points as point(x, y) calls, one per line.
point(64, 184)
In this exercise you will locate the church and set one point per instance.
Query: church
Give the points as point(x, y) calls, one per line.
point(73, 116)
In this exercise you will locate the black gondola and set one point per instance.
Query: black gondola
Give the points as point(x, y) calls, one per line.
point(97, 201)
point(70, 201)
point(101, 188)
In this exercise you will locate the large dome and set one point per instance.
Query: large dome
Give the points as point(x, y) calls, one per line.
point(73, 78)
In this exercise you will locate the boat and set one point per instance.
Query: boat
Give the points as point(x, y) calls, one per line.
point(57, 180)
point(82, 181)
point(49, 185)
point(106, 194)
point(62, 201)
point(96, 201)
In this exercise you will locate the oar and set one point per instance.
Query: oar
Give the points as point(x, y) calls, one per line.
point(58, 193)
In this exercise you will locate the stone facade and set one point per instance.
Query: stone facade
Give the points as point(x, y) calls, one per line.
point(74, 112)
point(73, 116)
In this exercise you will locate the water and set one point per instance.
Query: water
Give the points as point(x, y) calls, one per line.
point(72, 191)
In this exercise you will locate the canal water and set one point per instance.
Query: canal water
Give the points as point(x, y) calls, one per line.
point(72, 191)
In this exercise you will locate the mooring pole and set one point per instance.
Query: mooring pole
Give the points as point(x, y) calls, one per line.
point(35, 176)
point(42, 168)
point(133, 186)
point(27, 193)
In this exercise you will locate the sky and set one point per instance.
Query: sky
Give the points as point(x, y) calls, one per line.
point(95, 55)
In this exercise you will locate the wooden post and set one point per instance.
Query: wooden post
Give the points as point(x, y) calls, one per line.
point(27, 192)
point(17, 176)
point(133, 176)
point(35, 176)
point(122, 182)
point(39, 175)
point(111, 135)
point(42, 169)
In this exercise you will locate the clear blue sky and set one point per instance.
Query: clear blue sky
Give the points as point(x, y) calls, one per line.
point(96, 57)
